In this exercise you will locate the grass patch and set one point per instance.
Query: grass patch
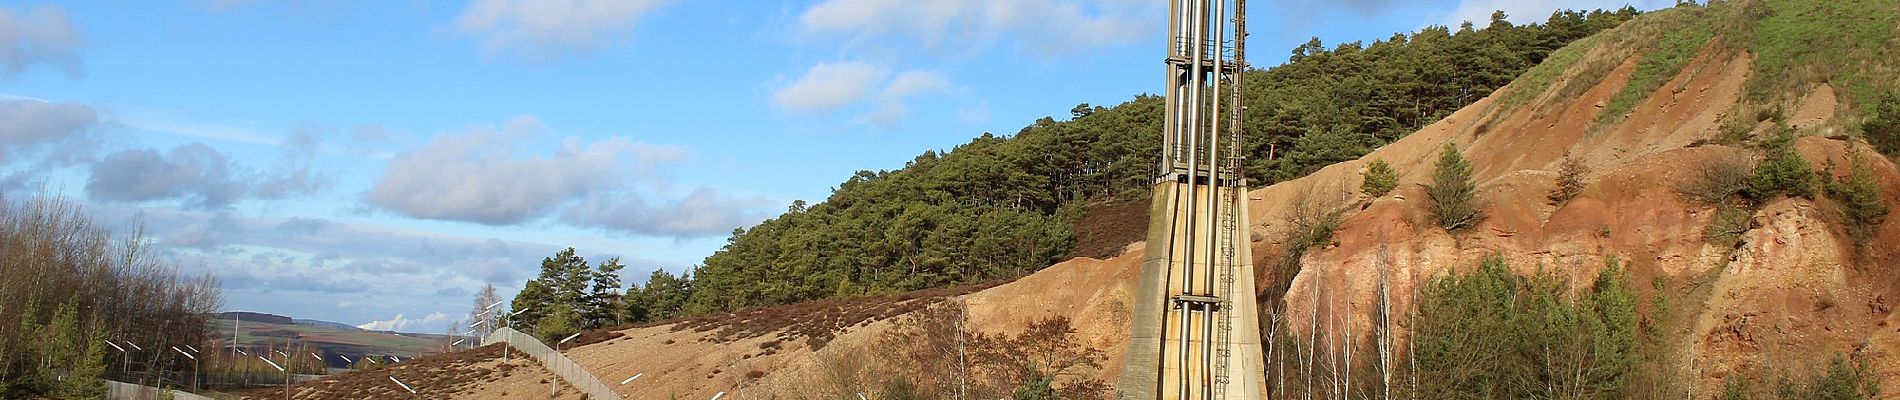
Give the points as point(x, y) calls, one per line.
point(1539, 78)
point(1846, 43)
point(1684, 32)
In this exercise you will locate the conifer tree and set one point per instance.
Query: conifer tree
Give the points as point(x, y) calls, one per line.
point(1453, 194)
point(87, 380)
point(532, 303)
point(1380, 178)
point(603, 305)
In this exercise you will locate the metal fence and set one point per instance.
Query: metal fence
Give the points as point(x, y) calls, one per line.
point(116, 390)
point(562, 367)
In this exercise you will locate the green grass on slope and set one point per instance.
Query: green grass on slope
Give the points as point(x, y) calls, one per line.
point(1540, 77)
point(1685, 30)
point(1847, 43)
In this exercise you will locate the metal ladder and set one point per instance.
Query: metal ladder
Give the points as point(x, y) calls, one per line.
point(1230, 230)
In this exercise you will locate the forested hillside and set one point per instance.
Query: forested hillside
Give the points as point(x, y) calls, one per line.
point(1002, 206)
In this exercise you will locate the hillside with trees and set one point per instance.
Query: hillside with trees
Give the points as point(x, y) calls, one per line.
point(69, 287)
point(1695, 203)
point(1004, 206)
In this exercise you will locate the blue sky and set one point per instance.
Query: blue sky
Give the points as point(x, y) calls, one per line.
point(376, 162)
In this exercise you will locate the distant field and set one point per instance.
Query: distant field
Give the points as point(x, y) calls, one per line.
point(329, 340)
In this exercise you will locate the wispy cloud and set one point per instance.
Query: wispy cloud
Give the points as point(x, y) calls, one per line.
point(1043, 27)
point(549, 30)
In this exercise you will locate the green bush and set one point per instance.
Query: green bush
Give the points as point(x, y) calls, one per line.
point(1453, 194)
point(1734, 388)
point(1883, 130)
point(1380, 178)
point(1491, 334)
point(1843, 380)
point(1728, 225)
point(1783, 172)
point(1863, 202)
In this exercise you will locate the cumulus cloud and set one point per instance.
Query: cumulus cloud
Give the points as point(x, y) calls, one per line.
point(827, 86)
point(705, 212)
point(194, 172)
point(398, 323)
point(27, 125)
point(41, 36)
point(547, 30)
point(1041, 26)
point(472, 176)
point(197, 174)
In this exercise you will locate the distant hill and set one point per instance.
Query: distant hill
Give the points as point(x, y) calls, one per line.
point(327, 324)
point(260, 331)
point(248, 316)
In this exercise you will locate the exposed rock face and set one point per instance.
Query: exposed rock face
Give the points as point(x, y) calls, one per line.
point(1792, 294)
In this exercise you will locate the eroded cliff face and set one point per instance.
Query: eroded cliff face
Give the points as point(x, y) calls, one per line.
point(1790, 294)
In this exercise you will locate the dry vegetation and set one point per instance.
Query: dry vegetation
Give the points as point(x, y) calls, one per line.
point(70, 286)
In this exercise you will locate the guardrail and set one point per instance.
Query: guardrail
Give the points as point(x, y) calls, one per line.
point(562, 367)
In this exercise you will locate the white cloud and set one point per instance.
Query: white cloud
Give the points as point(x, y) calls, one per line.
point(611, 184)
point(1528, 11)
point(546, 30)
point(398, 323)
point(197, 174)
point(1041, 26)
point(705, 212)
point(473, 177)
point(911, 83)
point(43, 35)
point(827, 86)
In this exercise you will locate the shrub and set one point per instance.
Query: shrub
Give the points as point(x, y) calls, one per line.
point(1718, 180)
point(1883, 129)
point(1863, 202)
point(1494, 334)
point(1782, 173)
point(1452, 193)
point(1569, 180)
point(1734, 389)
point(1380, 178)
point(1843, 380)
point(1728, 225)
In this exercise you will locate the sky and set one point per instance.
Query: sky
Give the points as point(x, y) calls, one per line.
point(378, 162)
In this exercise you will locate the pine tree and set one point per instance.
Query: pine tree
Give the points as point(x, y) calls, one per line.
point(564, 321)
point(1380, 178)
point(1453, 194)
point(61, 338)
point(31, 350)
point(603, 305)
point(87, 380)
point(530, 305)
